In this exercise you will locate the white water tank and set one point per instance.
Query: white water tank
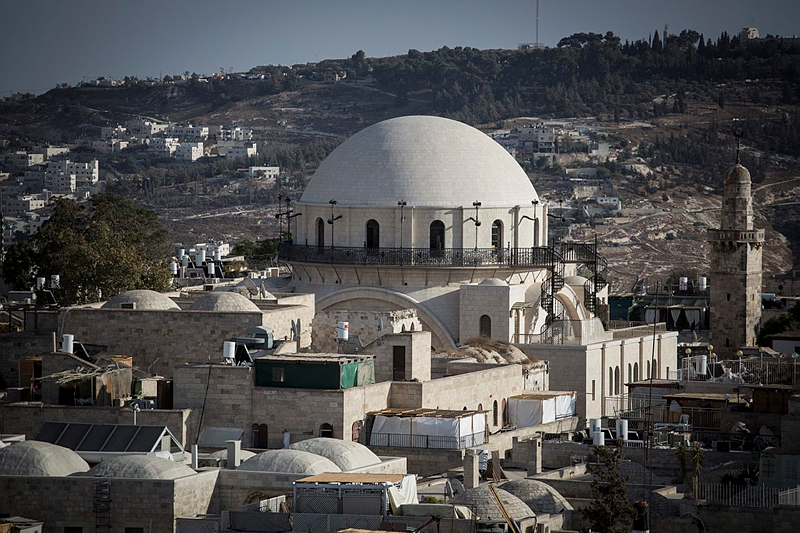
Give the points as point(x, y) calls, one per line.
point(703, 283)
point(342, 331)
point(201, 257)
point(55, 281)
point(41, 283)
point(185, 261)
point(599, 438)
point(229, 350)
point(217, 255)
point(702, 365)
point(181, 253)
point(622, 429)
point(66, 343)
point(210, 270)
point(173, 267)
point(683, 283)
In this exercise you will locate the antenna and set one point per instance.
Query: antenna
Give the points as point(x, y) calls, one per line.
point(537, 24)
point(738, 133)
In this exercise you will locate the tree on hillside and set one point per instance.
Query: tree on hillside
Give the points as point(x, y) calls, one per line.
point(100, 248)
point(610, 511)
point(656, 42)
point(788, 322)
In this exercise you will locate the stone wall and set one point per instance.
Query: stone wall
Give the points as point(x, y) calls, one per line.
point(367, 325)
point(482, 299)
point(69, 501)
point(27, 418)
point(16, 346)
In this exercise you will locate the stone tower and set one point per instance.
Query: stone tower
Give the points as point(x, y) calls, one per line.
point(735, 267)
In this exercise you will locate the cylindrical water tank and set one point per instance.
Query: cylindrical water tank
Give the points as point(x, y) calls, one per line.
point(210, 270)
point(702, 365)
point(201, 256)
point(622, 429)
point(595, 424)
point(228, 350)
point(181, 252)
point(683, 283)
point(173, 267)
point(66, 343)
point(185, 261)
point(703, 283)
point(217, 255)
point(343, 331)
point(41, 283)
point(55, 281)
point(598, 438)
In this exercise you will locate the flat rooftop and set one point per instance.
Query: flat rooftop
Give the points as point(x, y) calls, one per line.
point(422, 412)
point(343, 477)
point(542, 395)
point(315, 358)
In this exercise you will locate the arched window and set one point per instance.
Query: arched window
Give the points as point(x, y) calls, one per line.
point(356, 431)
point(485, 326)
point(648, 370)
point(480, 407)
point(616, 380)
point(536, 232)
point(437, 235)
point(373, 234)
point(656, 373)
point(326, 430)
point(494, 413)
point(610, 381)
point(630, 372)
point(320, 233)
point(505, 411)
point(635, 371)
point(497, 234)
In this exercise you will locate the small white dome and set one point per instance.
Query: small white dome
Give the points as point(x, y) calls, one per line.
point(224, 302)
point(140, 467)
point(494, 282)
point(345, 454)
point(424, 160)
point(36, 458)
point(144, 300)
point(290, 462)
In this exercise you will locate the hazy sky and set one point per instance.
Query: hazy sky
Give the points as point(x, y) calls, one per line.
point(43, 43)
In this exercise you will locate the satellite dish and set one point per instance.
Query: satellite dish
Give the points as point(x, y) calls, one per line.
point(251, 287)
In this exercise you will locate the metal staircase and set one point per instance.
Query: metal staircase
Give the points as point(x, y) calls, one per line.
point(102, 506)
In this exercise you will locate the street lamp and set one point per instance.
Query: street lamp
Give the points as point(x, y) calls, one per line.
point(477, 221)
point(332, 220)
point(402, 204)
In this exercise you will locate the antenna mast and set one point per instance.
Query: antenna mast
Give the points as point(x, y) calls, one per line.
point(537, 25)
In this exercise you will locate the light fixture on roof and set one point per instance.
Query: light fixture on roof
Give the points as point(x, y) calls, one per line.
point(332, 220)
point(402, 204)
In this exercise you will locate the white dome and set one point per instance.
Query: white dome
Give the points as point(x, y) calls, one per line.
point(224, 302)
point(290, 462)
point(144, 300)
point(140, 467)
point(424, 160)
point(35, 458)
point(345, 454)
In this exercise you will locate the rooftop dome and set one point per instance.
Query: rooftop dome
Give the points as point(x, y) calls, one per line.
point(482, 502)
point(140, 467)
point(144, 299)
point(224, 301)
point(424, 160)
point(494, 282)
point(290, 462)
point(738, 174)
point(345, 454)
point(222, 455)
point(35, 458)
point(539, 496)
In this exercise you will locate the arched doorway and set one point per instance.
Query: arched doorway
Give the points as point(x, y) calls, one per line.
point(494, 413)
point(326, 430)
point(373, 234)
point(260, 436)
point(485, 326)
point(648, 369)
point(356, 431)
point(320, 233)
point(437, 235)
point(497, 234)
point(616, 380)
point(536, 232)
point(635, 371)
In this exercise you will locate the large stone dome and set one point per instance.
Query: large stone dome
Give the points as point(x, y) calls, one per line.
point(143, 299)
point(345, 454)
point(539, 496)
point(290, 462)
point(424, 160)
point(224, 302)
point(140, 467)
point(35, 458)
point(483, 503)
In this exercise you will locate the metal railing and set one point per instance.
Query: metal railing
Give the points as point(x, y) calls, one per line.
point(735, 371)
point(539, 256)
point(760, 496)
point(438, 442)
point(789, 497)
point(699, 418)
point(630, 407)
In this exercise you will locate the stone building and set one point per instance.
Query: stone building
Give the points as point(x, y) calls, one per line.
point(736, 249)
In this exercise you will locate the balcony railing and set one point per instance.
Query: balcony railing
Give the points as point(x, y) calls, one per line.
point(539, 256)
point(439, 442)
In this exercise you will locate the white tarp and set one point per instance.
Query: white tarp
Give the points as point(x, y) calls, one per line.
point(526, 412)
point(405, 494)
point(412, 431)
point(565, 406)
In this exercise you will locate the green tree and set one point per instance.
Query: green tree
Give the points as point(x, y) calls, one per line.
point(788, 322)
point(609, 511)
point(100, 248)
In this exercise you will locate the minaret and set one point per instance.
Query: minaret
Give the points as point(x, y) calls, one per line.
point(735, 267)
